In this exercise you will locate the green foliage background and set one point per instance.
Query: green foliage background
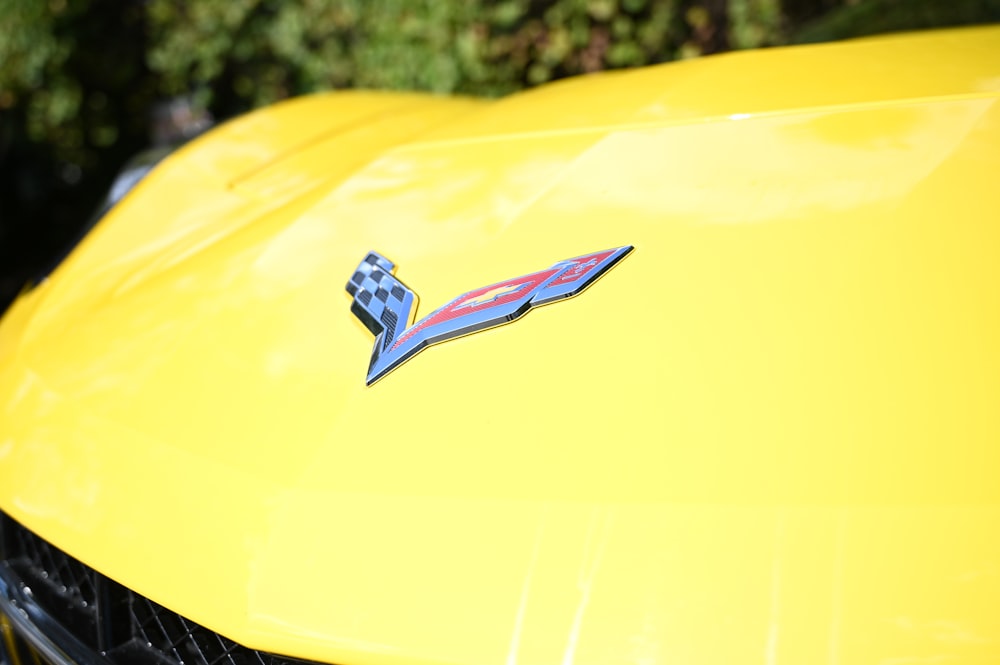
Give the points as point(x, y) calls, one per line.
point(78, 78)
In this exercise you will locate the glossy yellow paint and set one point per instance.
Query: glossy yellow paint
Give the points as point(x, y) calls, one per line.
point(769, 435)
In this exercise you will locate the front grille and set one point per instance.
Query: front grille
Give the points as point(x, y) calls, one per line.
point(33, 557)
point(183, 641)
point(124, 627)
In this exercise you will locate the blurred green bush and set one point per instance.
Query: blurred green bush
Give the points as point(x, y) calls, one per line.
point(76, 74)
point(268, 50)
point(79, 74)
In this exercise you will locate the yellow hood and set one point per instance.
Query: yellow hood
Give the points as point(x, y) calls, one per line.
point(769, 434)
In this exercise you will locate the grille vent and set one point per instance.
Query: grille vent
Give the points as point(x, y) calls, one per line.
point(126, 628)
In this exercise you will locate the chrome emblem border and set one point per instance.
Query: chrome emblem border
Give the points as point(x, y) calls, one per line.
point(387, 306)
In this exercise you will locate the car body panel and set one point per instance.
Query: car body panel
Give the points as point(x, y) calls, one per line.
point(769, 434)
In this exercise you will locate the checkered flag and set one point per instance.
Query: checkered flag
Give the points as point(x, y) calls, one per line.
point(382, 302)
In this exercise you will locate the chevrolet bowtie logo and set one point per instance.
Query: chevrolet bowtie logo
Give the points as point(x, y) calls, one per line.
point(387, 306)
point(492, 295)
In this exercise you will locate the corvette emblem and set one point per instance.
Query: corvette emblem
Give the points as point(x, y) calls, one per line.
point(387, 306)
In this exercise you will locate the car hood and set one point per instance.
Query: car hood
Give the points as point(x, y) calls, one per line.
point(769, 432)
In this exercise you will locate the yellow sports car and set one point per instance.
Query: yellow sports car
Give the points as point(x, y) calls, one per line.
point(696, 364)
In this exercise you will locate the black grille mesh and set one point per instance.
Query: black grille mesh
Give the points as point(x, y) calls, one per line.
point(127, 628)
point(183, 641)
point(65, 575)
